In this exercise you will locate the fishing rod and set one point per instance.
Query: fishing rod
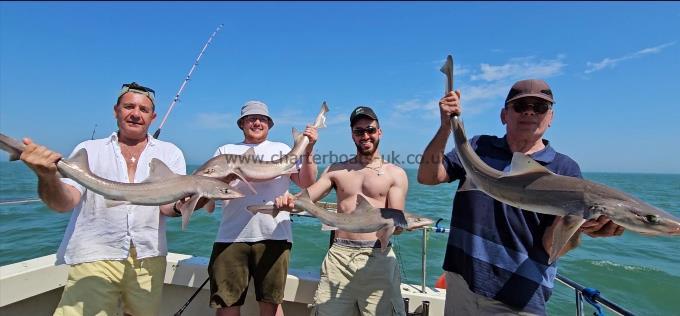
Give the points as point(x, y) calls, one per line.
point(186, 80)
point(158, 133)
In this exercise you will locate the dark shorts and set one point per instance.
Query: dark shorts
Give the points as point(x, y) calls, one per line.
point(233, 264)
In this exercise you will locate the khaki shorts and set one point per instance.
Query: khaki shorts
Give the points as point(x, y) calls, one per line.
point(461, 301)
point(99, 287)
point(233, 264)
point(359, 280)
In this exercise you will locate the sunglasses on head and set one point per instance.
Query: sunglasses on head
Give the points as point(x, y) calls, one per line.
point(134, 87)
point(536, 107)
point(360, 131)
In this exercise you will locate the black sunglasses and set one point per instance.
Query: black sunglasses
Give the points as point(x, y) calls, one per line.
point(538, 108)
point(360, 131)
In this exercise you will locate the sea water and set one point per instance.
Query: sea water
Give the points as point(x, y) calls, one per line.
point(640, 273)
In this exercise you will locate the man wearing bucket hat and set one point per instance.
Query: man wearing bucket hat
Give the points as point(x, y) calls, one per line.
point(256, 245)
point(496, 258)
point(116, 254)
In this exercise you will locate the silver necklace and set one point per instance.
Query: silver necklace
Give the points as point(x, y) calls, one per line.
point(129, 153)
point(377, 169)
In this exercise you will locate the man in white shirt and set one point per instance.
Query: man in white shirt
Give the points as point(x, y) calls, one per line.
point(117, 254)
point(256, 245)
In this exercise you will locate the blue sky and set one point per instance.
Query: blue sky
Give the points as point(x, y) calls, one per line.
point(613, 68)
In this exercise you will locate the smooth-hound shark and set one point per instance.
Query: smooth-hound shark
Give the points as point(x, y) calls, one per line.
point(161, 187)
point(532, 187)
point(364, 219)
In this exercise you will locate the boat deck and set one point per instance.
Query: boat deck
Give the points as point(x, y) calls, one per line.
point(33, 287)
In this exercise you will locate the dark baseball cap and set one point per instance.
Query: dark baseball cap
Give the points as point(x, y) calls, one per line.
point(361, 111)
point(530, 88)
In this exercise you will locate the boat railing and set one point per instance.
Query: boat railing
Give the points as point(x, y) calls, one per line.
point(581, 293)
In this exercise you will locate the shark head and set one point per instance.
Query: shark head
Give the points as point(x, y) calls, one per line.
point(217, 167)
point(640, 217)
point(414, 221)
point(222, 191)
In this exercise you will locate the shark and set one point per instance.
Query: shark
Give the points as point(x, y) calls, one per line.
point(247, 166)
point(161, 187)
point(364, 219)
point(532, 187)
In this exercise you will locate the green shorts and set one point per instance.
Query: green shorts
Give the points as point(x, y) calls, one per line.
point(233, 264)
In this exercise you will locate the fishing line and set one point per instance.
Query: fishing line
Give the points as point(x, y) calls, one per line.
point(186, 80)
point(158, 133)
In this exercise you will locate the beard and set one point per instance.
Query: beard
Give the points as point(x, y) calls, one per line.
point(367, 152)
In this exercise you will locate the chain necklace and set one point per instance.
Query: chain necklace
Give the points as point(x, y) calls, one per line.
point(129, 152)
point(377, 169)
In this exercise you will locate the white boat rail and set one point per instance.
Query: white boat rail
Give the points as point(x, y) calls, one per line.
point(581, 292)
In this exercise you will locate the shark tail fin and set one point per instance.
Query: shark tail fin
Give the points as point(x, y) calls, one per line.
point(321, 119)
point(565, 229)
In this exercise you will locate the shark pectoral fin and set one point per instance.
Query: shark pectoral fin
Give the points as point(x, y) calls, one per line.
point(564, 230)
point(260, 208)
point(113, 203)
point(384, 235)
point(263, 208)
point(159, 171)
point(187, 209)
point(468, 185)
point(325, 227)
point(242, 178)
point(522, 164)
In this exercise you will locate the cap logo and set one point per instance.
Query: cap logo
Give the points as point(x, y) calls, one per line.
point(359, 110)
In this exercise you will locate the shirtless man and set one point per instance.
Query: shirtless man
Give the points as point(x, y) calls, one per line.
point(356, 276)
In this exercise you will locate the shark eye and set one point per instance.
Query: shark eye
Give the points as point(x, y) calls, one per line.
point(652, 219)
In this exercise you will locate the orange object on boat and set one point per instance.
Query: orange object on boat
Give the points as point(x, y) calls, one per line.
point(441, 282)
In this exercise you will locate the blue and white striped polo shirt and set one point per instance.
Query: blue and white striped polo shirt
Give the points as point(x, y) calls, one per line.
point(498, 248)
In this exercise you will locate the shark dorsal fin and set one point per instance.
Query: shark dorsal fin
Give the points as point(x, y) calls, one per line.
point(249, 153)
point(158, 171)
point(362, 204)
point(296, 134)
point(523, 164)
point(80, 160)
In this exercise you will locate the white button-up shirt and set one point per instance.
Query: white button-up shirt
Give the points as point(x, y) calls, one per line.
point(97, 232)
